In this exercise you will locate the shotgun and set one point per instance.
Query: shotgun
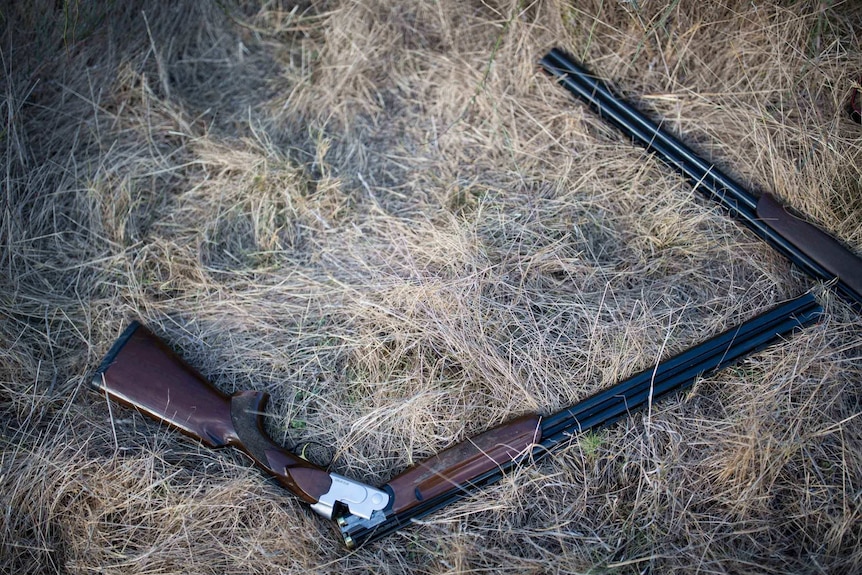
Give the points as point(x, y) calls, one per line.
point(142, 372)
point(814, 251)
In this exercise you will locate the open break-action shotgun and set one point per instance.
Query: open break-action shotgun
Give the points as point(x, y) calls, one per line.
point(141, 371)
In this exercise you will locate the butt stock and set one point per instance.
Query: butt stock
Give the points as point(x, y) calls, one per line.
point(140, 371)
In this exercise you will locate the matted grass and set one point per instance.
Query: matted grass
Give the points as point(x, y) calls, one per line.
point(383, 214)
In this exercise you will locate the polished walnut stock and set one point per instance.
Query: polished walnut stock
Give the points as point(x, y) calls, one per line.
point(142, 372)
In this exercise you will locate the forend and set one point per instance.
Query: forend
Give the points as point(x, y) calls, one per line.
point(818, 245)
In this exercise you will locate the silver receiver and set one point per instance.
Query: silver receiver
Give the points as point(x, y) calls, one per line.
point(361, 499)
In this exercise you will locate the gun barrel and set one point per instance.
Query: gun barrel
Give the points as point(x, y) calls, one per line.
point(604, 408)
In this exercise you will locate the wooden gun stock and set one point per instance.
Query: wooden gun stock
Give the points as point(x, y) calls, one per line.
point(142, 372)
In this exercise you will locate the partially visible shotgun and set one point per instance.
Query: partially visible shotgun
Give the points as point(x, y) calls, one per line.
point(815, 252)
point(142, 372)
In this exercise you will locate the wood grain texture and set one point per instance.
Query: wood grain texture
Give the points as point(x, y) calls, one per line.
point(460, 463)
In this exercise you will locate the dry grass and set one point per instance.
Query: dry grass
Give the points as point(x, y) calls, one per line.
point(384, 215)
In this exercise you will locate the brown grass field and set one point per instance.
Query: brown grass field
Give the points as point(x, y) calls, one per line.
point(386, 216)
